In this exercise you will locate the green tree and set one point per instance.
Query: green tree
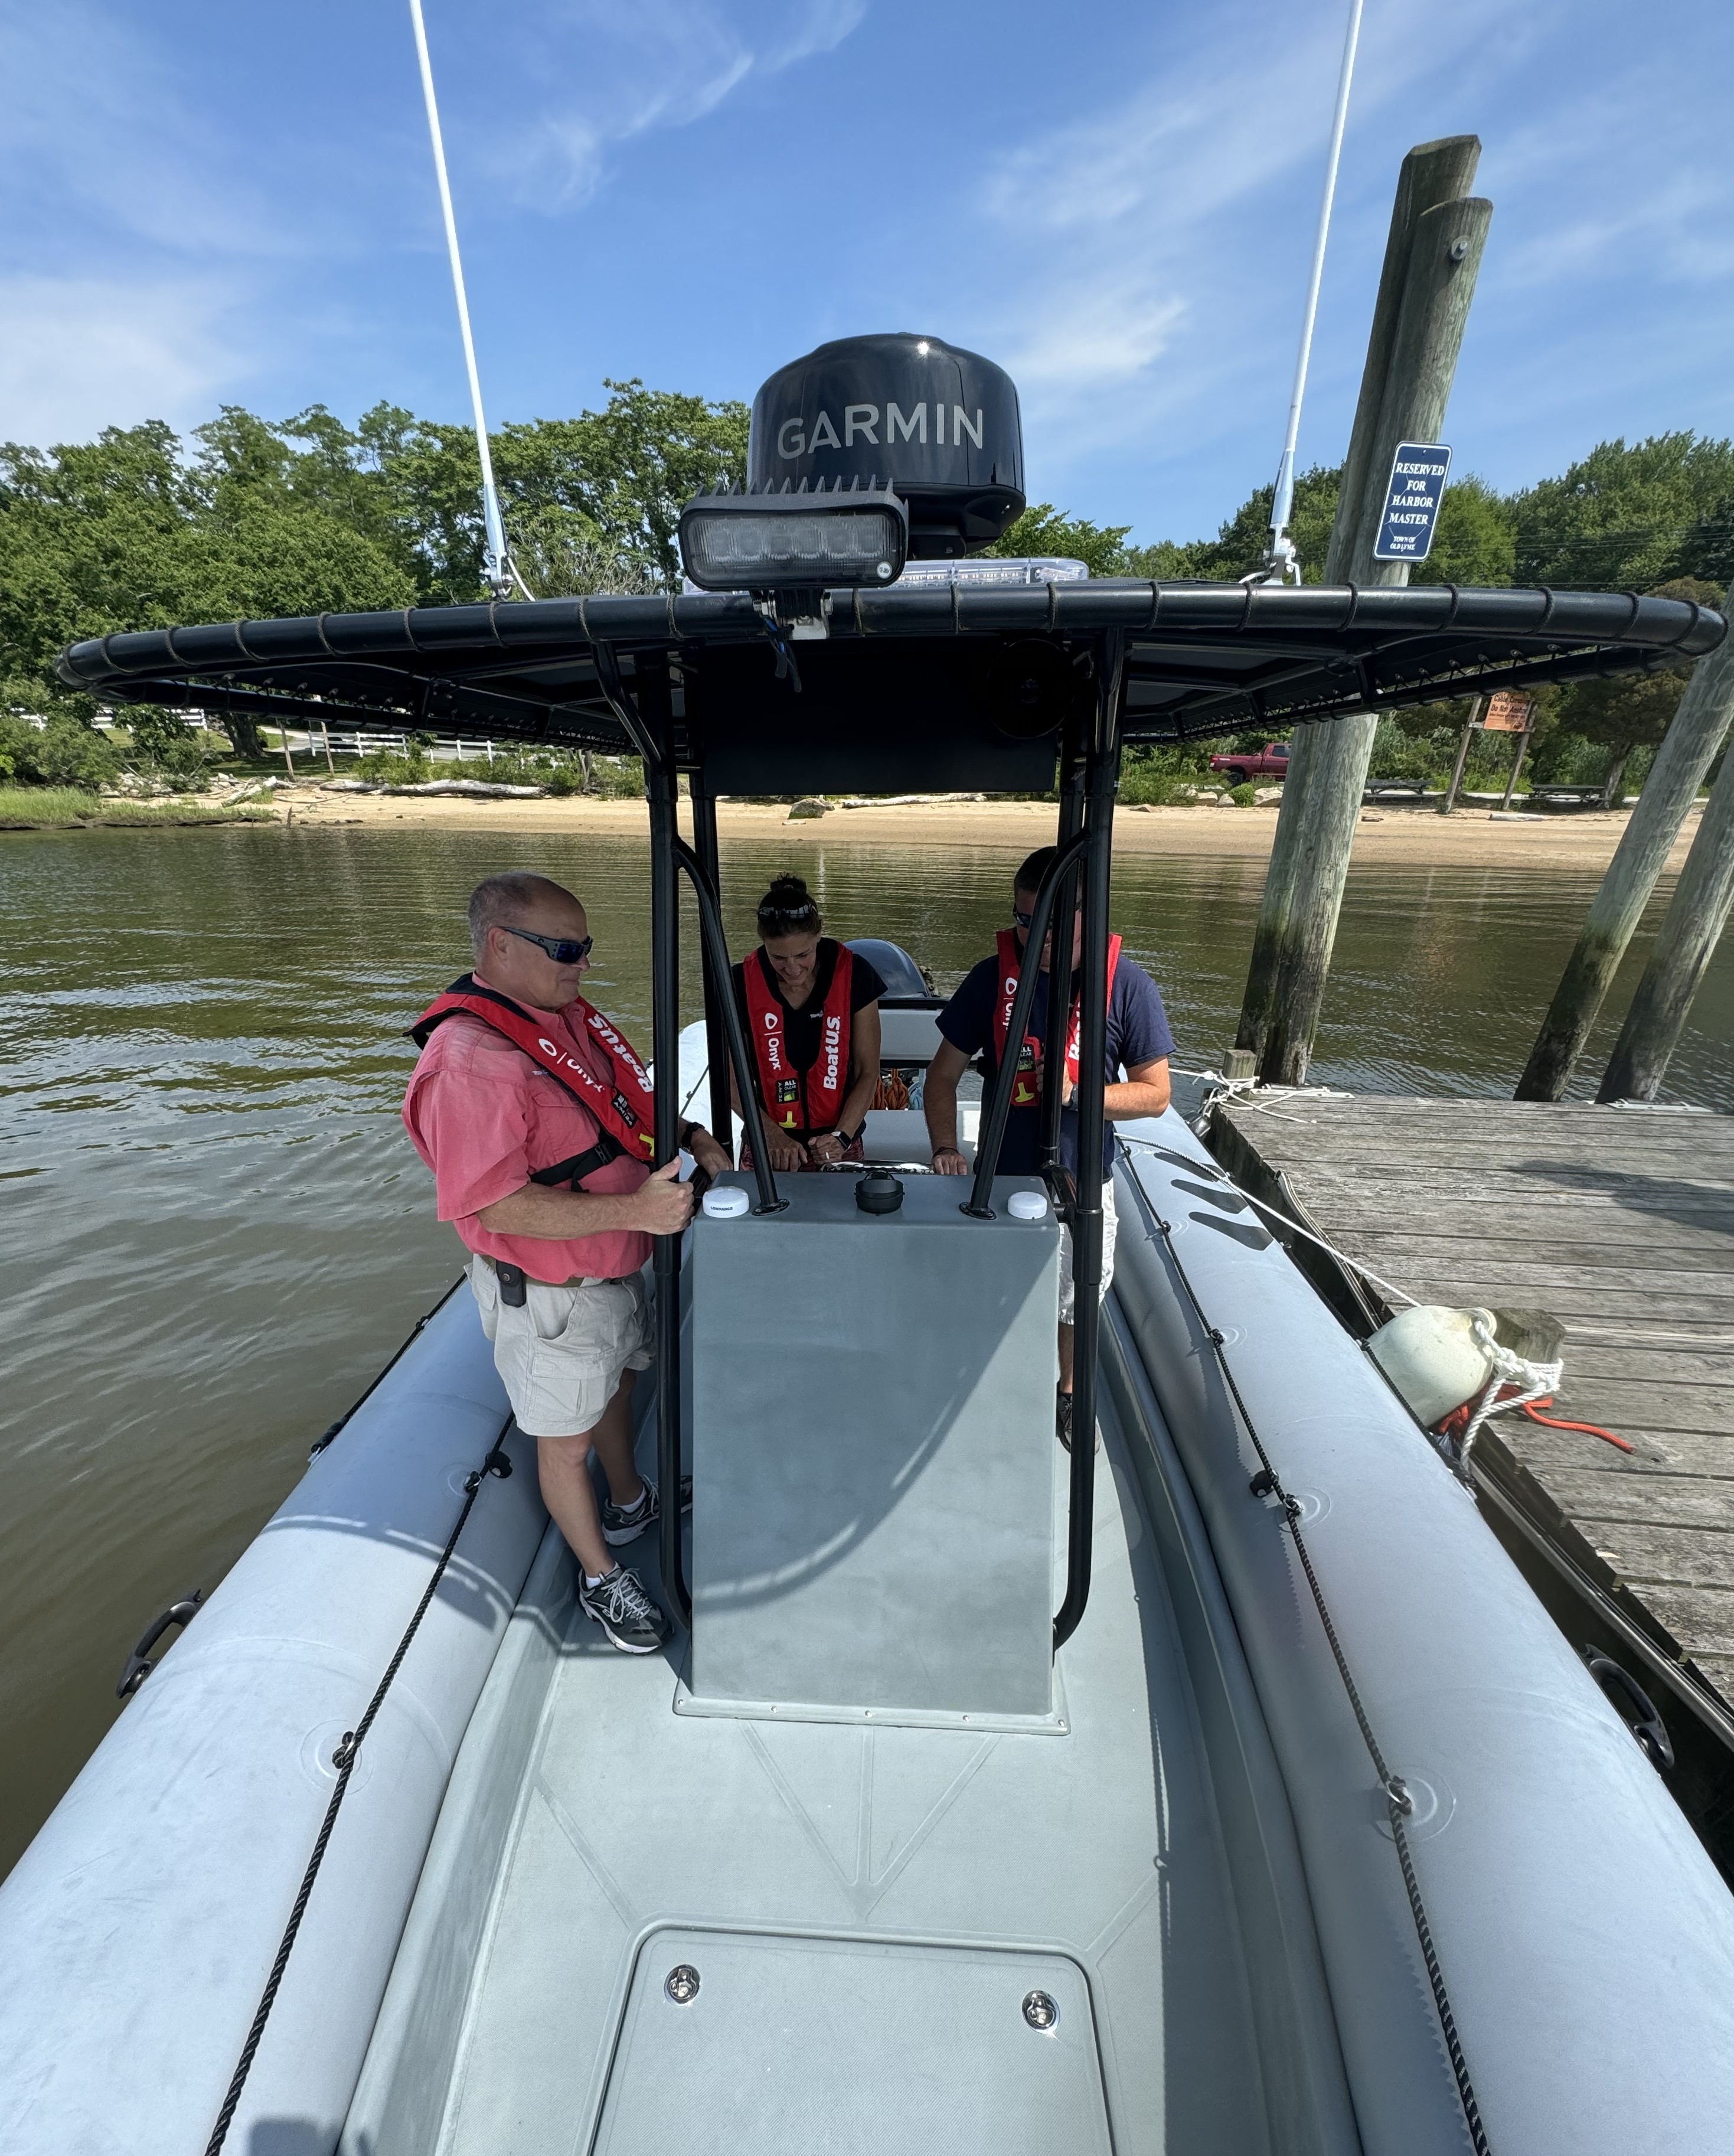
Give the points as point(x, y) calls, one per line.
point(60, 748)
point(1043, 529)
point(1624, 517)
point(1476, 541)
point(626, 472)
point(1239, 547)
point(124, 533)
point(1631, 711)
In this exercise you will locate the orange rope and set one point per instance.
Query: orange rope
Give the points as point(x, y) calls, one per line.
point(1591, 1429)
point(1457, 1421)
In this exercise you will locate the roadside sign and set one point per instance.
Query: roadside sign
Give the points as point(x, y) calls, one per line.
point(1509, 711)
point(1412, 500)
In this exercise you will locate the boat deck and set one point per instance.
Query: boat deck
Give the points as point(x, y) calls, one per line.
point(1619, 1222)
point(867, 1909)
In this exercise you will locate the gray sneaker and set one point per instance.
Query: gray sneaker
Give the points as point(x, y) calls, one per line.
point(625, 1523)
point(619, 1605)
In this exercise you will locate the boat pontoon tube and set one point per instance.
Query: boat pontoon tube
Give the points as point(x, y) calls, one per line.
point(141, 1924)
point(1584, 1933)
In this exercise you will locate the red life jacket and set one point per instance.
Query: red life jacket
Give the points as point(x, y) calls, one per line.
point(624, 1107)
point(809, 1100)
point(1027, 1090)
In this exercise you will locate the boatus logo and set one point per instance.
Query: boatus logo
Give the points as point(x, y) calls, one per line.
point(834, 1050)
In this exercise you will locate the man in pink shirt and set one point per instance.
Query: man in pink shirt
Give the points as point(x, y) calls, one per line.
point(556, 1257)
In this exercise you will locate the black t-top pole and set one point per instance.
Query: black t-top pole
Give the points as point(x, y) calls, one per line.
point(655, 710)
point(716, 1042)
point(1101, 779)
point(1059, 968)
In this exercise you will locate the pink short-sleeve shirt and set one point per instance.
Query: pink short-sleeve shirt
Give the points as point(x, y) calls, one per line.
point(483, 1116)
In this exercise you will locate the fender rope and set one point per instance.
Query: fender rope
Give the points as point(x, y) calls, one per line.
point(1534, 1382)
point(343, 1759)
point(1399, 1802)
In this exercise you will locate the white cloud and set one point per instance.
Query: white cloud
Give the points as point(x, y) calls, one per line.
point(1096, 335)
point(82, 354)
point(92, 120)
point(1158, 244)
point(617, 74)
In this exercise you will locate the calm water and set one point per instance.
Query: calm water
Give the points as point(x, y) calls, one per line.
point(215, 1230)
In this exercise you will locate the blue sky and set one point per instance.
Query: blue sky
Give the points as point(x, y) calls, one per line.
point(209, 204)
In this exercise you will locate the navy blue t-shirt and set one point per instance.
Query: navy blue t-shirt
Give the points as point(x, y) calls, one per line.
point(1138, 1032)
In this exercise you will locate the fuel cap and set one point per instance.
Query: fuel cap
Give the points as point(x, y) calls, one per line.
point(878, 1191)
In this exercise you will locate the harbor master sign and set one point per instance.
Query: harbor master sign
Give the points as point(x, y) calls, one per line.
point(1411, 500)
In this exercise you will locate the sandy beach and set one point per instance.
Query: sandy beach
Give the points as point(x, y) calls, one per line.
point(1471, 837)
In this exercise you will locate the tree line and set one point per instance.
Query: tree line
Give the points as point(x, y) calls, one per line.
point(248, 517)
point(1652, 515)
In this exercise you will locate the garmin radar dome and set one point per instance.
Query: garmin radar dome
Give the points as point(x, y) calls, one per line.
point(868, 452)
point(939, 423)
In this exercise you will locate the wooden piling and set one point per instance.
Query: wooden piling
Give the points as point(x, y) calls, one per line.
point(1470, 724)
point(1689, 930)
point(1689, 746)
point(1431, 259)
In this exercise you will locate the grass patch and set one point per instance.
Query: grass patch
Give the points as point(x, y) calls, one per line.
point(68, 807)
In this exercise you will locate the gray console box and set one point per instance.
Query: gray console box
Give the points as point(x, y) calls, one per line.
point(873, 1455)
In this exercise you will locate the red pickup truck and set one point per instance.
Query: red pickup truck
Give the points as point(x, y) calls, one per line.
point(1241, 765)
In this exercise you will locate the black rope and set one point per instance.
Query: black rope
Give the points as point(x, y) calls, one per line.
point(1398, 1801)
point(343, 1759)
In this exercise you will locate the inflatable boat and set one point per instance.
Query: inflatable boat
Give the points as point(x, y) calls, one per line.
point(1222, 1788)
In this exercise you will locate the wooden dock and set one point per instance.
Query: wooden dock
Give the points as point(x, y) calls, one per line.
point(1619, 1222)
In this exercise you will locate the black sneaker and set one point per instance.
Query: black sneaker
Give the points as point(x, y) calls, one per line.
point(619, 1605)
point(625, 1523)
point(1062, 1421)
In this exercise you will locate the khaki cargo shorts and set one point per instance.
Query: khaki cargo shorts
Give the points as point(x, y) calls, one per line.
point(1111, 1226)
point(561, 1357)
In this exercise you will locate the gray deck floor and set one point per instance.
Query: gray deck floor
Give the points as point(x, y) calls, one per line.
point(867, 1909)
point(1618, 1222)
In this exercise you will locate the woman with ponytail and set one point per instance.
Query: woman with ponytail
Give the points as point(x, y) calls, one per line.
point(810, 1008)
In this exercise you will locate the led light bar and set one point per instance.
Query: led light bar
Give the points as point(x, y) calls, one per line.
point(811, 542)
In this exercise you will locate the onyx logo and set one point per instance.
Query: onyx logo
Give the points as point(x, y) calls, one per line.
point(795, 438)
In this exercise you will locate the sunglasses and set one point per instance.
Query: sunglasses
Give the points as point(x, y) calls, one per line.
point(563, 950)
point(1027, 921)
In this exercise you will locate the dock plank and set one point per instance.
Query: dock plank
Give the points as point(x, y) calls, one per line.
point(1619, 1224)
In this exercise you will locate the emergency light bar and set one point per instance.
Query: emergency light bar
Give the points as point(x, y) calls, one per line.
point(803, 541)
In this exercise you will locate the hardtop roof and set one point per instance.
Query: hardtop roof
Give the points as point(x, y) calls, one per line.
point(897, 693)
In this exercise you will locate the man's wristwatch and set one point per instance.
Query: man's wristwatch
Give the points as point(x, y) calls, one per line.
point(688, 1132)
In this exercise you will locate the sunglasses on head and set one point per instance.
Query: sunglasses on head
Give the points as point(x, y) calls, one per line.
point(563, 950)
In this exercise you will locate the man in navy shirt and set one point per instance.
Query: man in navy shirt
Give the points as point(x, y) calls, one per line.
point(1138, 1041)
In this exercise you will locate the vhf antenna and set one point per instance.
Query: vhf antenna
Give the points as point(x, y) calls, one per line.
point(498, 566)
point(1281, 564)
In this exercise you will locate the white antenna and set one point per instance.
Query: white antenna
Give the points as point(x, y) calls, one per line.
point(498, 565)
point(1282, 563)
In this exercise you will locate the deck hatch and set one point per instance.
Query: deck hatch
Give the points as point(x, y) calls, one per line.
point(791, 2045)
